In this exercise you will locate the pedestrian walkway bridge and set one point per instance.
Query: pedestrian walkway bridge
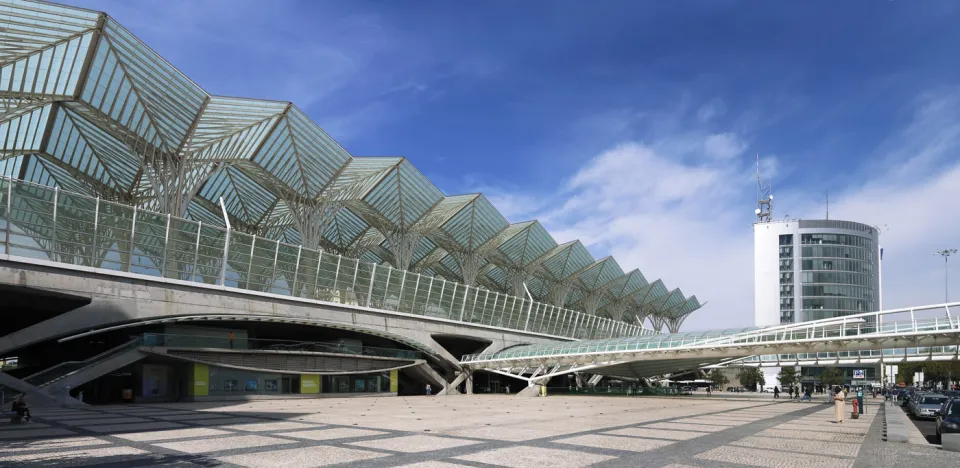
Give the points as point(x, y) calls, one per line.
point(898, 335)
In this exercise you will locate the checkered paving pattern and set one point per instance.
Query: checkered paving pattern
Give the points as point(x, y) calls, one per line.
point(457, 431)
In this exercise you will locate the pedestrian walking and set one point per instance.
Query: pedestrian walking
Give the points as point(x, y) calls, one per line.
point(838, 397)
point(776, 392)
point(429, 390)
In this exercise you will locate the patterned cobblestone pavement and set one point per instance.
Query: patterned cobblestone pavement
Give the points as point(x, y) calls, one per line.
point(456, 431)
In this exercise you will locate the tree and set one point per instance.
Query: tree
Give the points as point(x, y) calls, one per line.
point(751, 377)
point(718, 378)
point(788, 377)
point(831, 377)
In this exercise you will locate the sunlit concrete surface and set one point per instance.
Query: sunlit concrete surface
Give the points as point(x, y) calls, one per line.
point(464, 431)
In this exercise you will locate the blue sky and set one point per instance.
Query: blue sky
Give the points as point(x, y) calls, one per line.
point(633, 125)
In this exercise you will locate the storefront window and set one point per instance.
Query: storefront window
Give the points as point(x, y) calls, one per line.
point(225, 381)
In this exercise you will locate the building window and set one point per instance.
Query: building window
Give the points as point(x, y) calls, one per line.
point(786, 239)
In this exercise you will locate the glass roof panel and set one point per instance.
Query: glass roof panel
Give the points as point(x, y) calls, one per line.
point(51, 71)
point(443, 210)
point(627, 285)
point(402, 198)
point(244, 198)
point(565, 260)
point(345, 228)
point(539, 288)
point(600, 273)
point(369, 239)
point(10, 167)
point(171, 99)
point(116, 165)
point(452, 265)
point(232, 128)
point(525, 246)
point(360, 176)
point(205, 212)
point(651, 293)
point(674, 299)
point(424, 248)
point(371, 257)
point(112, 92)
point(43, 171)
point(471, 227)
point(302, 155)
point(499, 277)
point(430, 259)
point(29, 27)
point(23, 134)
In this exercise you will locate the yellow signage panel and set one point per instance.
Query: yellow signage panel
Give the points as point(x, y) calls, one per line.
point(309, 383)
point(394, 380)
point(201, 380)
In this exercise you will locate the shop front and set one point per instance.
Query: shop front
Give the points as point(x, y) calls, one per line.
point(209, 382)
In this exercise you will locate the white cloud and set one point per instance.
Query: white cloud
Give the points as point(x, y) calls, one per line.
point(688, 220)
point(711, 110)
point(723, 146)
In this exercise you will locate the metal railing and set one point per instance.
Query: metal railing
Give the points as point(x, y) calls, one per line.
point(618, 391)
point(49, 224)
point(59, 371)
point(890, 354)
point(870, 324)
point(169, 340)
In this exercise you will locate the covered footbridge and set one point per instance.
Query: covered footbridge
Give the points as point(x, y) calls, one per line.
point(892, 335)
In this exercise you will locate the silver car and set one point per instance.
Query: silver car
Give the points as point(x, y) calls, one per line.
point(928, 405)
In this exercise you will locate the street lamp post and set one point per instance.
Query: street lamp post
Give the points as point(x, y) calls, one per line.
point(946, 253)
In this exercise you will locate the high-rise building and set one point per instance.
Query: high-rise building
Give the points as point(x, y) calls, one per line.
point(814, 269)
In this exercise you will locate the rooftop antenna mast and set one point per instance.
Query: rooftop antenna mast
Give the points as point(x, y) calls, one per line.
point(764, 209)
point(828, 205)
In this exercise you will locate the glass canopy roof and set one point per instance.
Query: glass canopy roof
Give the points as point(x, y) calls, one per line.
point(87, 107)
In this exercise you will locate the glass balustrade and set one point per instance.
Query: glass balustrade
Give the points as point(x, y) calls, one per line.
point(45, 223)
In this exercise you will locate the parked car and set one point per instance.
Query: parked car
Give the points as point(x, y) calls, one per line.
point(948, 419)
point(928, 405)
point(911, 394)
point(912, 405)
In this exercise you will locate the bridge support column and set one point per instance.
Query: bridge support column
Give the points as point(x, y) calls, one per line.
point(533, 388)
point(594, 380)
point(451, 388)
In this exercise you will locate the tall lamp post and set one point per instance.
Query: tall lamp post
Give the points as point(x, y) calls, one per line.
point(946, 253)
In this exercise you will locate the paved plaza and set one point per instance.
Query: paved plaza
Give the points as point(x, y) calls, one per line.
point(455, 431)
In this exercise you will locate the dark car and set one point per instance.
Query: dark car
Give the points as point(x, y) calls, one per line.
point(948, 421)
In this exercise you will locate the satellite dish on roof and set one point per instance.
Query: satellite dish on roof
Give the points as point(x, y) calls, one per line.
point(757, 211)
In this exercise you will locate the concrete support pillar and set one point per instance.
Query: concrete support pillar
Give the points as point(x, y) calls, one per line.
point(469, 382)
point(451, 388)
point(533, 389)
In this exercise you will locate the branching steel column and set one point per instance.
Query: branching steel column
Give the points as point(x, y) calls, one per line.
point(402, 246)
point(590, 302)
point(559, 293)
point(312, 217)
point(470, 263)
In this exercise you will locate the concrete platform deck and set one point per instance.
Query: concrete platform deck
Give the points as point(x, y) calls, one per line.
point(455, 431)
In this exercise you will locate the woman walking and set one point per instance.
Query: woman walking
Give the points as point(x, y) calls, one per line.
point(838, 405)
